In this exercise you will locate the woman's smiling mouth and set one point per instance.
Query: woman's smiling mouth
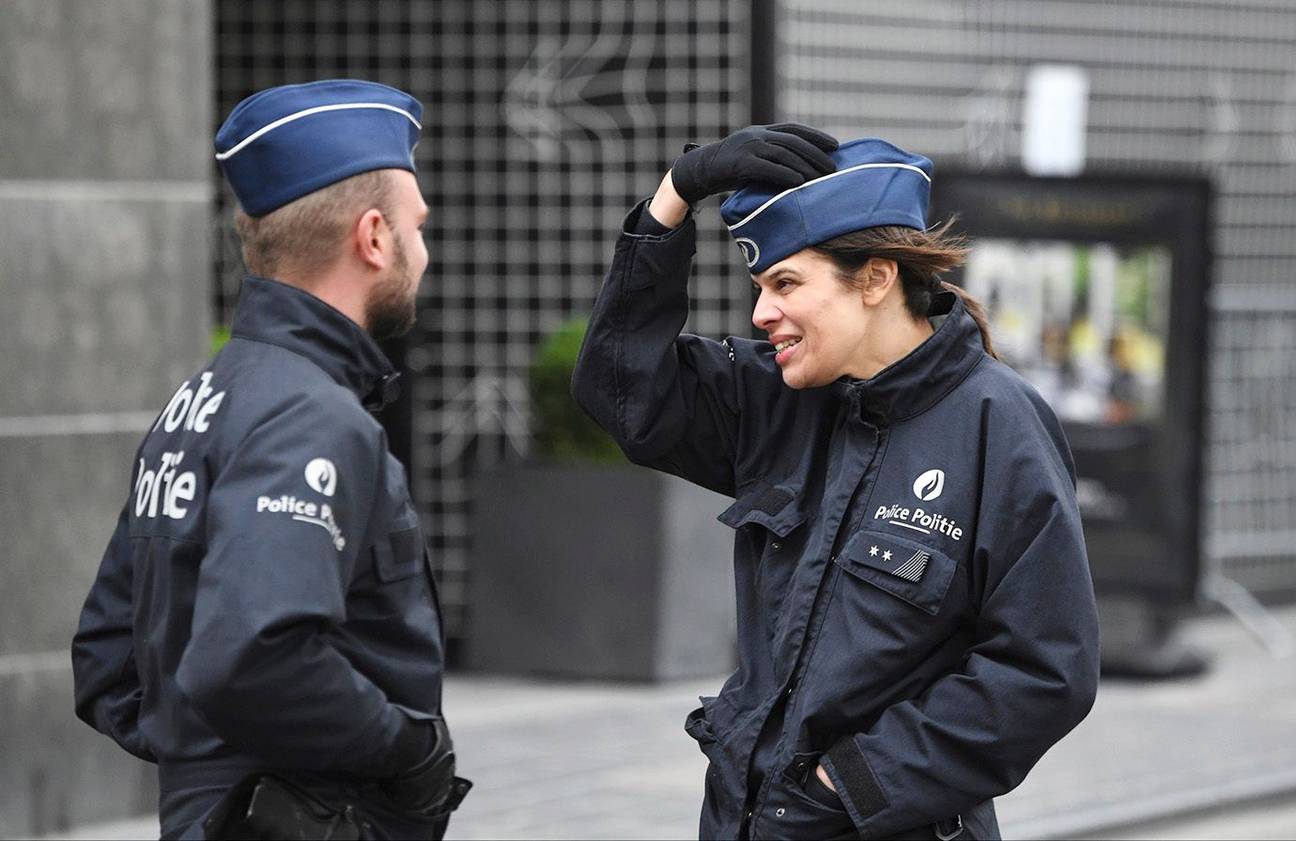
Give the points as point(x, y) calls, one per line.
point(785, 348)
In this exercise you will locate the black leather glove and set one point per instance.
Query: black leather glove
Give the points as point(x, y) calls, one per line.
point(428, 786)
point(782, 155)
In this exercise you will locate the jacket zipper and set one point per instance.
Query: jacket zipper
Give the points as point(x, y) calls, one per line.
point(811, 637)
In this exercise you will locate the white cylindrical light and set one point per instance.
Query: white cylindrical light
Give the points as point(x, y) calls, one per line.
point(1055, 119)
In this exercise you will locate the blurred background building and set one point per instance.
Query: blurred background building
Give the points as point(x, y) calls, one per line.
point(545, 121)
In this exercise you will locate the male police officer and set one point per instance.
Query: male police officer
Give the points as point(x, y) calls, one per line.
point(264, 624)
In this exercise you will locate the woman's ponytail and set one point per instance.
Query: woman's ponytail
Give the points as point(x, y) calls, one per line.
point(978, 313)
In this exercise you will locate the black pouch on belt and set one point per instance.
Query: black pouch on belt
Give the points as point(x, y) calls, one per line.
point(262, 807)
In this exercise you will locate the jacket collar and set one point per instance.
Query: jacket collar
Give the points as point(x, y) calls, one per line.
point(917, 381)
point(275, 313)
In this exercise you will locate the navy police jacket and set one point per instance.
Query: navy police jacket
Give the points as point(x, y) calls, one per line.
point(265, 601)
point(915, 609)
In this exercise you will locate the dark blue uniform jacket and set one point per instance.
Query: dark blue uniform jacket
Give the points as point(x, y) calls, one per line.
point(265, 602)
point(915, 609)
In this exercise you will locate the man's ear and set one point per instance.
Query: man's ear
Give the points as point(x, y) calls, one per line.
point(879, 275)
point(372, 239)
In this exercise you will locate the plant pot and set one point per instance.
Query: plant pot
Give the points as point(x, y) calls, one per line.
point(599, 571)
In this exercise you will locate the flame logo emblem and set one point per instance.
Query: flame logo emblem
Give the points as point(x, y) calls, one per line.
point(321, 475)
point(750, 250)
point(929, 485)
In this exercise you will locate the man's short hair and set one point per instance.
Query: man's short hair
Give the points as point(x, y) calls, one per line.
point(305, 237)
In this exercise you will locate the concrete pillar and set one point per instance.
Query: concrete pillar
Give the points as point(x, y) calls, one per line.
point(105, 173)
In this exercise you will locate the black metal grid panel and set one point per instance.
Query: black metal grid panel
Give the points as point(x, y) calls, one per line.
point(554, 118)
point(1201, 85)
point(545, 121)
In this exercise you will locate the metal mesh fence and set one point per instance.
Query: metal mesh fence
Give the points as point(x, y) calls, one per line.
point(555, 118)
point(544, 122)
point(1203, 85)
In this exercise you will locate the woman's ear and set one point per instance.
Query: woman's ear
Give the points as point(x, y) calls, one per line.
point(879, 275)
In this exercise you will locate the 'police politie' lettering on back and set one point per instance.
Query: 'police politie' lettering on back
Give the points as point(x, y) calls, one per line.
point(191, 409)
point(165, 490)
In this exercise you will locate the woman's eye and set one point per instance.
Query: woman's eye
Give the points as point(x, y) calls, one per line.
point(782, 284)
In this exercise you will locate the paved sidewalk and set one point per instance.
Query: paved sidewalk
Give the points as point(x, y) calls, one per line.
point(565, 760)
point(573, 761)
point(1172, 747)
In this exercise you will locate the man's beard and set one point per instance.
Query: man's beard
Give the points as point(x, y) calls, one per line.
point(390, 308)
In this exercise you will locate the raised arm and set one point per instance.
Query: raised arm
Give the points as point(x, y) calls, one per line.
point(671, 401)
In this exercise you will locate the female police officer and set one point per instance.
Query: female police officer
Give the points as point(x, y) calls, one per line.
point(916, 616)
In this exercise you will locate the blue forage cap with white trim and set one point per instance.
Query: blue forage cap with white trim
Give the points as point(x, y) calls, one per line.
point(281, 143)
point(875, 184)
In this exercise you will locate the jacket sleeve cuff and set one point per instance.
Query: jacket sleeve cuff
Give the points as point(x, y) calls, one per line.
point(415, 740)
point(640, 224)
point(649, 261)
point(855, 781)
point(107, 719)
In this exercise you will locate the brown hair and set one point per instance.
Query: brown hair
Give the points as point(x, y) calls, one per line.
point(920, 256)
point(304, 237)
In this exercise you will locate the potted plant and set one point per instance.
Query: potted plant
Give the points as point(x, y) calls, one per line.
point(587, 566)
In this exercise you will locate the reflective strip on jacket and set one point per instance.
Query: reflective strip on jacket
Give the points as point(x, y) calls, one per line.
point(915, 609)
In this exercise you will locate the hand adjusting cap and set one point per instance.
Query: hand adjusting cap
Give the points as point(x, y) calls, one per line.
point(783, 155)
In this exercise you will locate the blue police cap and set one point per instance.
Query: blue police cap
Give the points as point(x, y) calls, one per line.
point(875, 184)
point(281, 143)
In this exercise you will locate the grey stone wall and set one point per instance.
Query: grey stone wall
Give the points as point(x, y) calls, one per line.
point(104, 307)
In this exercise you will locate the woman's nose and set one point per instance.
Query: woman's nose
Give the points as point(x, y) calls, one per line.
point(765, 315)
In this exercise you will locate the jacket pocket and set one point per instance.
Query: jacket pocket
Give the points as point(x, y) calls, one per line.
point(791, 812)
point(697, 726)
point(907, 569)
point(723, 793)
point(400, 554)
point(711, 722)
point(778, 508)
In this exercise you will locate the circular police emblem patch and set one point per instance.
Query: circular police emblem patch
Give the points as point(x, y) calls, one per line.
point(321, 475)
point(929, 485)
point(750, 250)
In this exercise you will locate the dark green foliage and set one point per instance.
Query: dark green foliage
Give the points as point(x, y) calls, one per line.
point(562, 429)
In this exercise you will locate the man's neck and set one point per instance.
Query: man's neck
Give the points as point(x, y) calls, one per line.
point(343, 292)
